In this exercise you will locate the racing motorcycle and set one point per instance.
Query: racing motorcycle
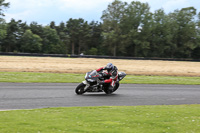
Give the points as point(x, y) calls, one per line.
point(91, 83)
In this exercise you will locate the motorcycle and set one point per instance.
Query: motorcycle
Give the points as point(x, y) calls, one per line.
point(91, 83)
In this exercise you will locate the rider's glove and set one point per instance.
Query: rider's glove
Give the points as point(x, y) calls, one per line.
point(101, 75)
point(105, 74)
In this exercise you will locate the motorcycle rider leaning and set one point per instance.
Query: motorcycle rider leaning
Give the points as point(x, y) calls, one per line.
point(110, 76)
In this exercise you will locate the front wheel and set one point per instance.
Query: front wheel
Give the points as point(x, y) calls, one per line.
point(80, 89)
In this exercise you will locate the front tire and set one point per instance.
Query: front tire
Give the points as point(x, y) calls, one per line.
point(80, 89)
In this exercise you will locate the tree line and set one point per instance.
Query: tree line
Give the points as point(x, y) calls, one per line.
point(126, 29)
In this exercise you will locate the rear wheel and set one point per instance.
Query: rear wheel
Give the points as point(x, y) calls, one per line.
point(116, 86)
point(80, 89)
point(109, 90)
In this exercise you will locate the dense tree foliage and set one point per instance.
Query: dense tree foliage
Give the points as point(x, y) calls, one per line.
point(3, 27)
point(127, 29)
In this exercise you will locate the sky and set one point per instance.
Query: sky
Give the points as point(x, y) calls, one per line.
point(45, 11)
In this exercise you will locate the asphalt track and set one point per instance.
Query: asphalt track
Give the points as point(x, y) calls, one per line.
point(44, 95)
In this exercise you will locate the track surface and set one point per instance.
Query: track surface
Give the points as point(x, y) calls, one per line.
point(43, 95)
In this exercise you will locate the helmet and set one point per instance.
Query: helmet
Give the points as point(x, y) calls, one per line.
point(109, 67)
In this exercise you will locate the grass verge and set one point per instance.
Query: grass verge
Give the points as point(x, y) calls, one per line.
point(113, 119)
point(30, 77)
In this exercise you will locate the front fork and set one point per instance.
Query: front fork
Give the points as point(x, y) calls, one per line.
point(85, 82)
point(86, 85)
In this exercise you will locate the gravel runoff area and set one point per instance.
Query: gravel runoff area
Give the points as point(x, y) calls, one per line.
point(82, 65)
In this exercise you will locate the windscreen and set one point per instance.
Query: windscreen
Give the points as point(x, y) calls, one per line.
point(93, 73)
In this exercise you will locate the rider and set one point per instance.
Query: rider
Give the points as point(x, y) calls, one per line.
point(110, 76)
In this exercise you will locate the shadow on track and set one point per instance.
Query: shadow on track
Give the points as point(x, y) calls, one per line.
point(100, 95)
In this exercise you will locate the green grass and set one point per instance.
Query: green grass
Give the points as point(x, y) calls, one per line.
point(113, 119)
point(162, 80)
point(30, 77)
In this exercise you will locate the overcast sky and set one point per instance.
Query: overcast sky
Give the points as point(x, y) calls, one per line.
point(45, 11)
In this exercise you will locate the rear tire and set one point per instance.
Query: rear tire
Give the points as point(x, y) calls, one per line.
point(108, 90)
point(80, 89)
point(116, 86)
